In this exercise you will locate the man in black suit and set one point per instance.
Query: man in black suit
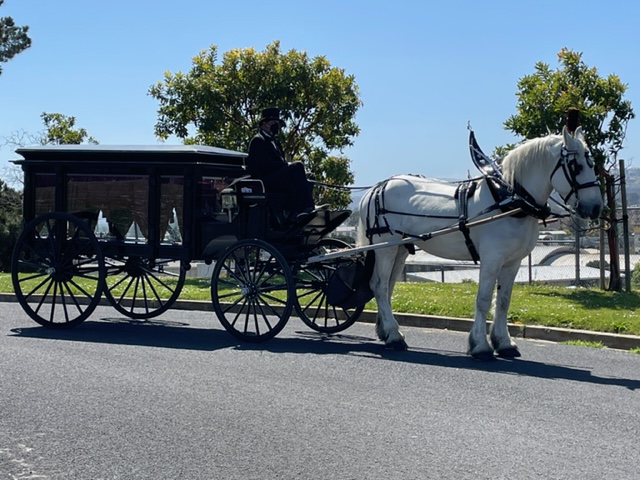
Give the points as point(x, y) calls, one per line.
point(266, 161)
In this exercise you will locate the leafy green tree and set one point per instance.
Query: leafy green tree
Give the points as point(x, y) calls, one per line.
point(544, 98)
point(219, 103)
point(61, 130)
point(13, 40)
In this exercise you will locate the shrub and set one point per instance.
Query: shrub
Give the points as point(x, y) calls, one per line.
point(10, 223)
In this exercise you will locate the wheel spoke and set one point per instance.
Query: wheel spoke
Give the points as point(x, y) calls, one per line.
point(63, 300)
point(80, 288)
point(53, 303)
point(45, 294)
point(73, 297)
point(143, 283)
point(46, 279)
point(153, 289)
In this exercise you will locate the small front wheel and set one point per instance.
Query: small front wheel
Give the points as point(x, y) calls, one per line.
point(252, 290)
point(312, 281)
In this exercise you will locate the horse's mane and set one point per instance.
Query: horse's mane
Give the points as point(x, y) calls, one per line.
point(517, 164)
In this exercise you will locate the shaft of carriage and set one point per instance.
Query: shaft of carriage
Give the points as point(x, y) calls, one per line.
point(408, 238)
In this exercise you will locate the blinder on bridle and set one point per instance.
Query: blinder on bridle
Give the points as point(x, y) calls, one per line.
point(568, 161)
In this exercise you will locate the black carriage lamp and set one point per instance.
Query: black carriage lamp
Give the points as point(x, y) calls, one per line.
point(573, 119)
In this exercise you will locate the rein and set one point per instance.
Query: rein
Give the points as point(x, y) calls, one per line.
point(337, 187)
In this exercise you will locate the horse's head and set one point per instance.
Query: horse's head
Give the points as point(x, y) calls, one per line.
point(574, 177)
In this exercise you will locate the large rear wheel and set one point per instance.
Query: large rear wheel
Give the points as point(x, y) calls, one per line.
point(252, 290)
point(57, 270)
point(311, 291)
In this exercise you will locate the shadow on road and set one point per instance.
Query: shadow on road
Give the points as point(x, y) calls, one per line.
point(145, 333)
point(316, 343)
point(180, 336)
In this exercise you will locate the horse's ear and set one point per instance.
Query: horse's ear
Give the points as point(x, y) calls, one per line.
point(566, 136)
point(579, 134)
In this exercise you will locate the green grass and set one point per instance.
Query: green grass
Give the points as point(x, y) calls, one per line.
point(580, 308)
point(584, 343)
point(552, 306)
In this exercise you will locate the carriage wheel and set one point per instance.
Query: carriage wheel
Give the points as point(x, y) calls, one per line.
point(57, 270)
point(140, 287)
point(252, 290)
point(311, 292)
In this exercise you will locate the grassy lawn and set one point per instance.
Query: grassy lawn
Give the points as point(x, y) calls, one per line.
point(581, 308)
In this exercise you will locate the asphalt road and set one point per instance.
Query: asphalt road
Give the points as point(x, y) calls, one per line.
point(179, 398)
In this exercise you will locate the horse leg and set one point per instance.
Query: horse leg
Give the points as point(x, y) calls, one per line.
point(479, 347)
point(398, 267)
point(499, 333)
point(382, 283)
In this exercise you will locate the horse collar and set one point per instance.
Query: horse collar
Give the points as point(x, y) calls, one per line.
point(524, 200)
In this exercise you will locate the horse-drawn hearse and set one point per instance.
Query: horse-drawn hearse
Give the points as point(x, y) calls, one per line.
point(126, 224)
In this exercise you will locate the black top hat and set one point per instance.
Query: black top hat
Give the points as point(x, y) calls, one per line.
point(271, 113)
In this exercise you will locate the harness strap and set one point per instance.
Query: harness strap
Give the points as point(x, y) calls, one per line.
point(463, 192)
point(377, 197)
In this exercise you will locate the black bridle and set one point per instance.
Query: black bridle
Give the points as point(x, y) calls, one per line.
point(568, 161)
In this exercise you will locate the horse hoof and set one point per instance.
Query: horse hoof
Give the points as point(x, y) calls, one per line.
point(398, 345)
point(483, 356)
point(511, 352)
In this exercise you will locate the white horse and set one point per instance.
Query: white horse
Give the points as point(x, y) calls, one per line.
point(408, 206)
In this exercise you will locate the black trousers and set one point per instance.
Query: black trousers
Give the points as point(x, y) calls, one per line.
point(290, 182)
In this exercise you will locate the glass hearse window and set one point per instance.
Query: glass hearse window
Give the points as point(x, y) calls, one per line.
point(45, 186)
point(208, 197)
point(120, 200)
point(171, 209)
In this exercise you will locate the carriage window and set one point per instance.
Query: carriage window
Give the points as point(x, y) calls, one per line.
point(45, 186)
point(208, 196)
point(171, 206)
point(119, 200)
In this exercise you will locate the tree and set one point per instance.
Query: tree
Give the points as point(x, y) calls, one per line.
point(60, 130)
point(544, 98)
point(13, 40)
point(219, 103)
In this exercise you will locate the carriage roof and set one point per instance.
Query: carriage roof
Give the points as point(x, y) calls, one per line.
point(143, 154)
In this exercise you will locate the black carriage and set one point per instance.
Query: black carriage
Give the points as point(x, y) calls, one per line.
point(124, 225)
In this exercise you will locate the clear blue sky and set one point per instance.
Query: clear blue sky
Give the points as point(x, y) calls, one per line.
point(424, 68)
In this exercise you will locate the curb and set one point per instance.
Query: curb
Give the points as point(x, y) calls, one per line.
point(534, 332)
